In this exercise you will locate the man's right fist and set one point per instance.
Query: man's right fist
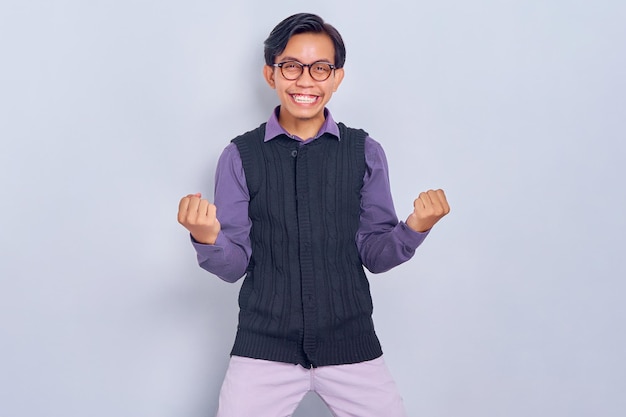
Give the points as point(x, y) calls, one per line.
point(199, 217)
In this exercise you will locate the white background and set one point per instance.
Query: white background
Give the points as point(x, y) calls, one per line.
point(111, 110)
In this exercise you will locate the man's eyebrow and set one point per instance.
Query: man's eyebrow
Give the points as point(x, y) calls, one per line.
point(290, 58)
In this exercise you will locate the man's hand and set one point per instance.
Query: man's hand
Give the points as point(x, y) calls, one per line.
point(199, 217)
point(429, 208)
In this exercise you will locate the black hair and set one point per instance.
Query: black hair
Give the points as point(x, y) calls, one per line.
point(277, 41)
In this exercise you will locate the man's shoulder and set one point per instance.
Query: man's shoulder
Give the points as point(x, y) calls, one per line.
point(254, 133)
point(352, 132)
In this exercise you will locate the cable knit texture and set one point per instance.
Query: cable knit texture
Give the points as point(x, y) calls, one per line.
point(305, 298)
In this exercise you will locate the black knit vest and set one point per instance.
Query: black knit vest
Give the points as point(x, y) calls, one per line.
point(305, 298)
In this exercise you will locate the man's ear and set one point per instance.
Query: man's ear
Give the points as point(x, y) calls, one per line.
point(268, 74)
point(338, 78)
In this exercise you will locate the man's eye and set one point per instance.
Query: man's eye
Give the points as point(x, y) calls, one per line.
point(321, 68)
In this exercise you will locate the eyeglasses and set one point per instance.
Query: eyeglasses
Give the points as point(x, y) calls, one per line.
point(292, 70)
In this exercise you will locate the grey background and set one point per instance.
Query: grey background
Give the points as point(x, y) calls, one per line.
point(111, 110)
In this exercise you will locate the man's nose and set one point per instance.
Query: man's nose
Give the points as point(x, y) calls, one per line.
point(305, 78)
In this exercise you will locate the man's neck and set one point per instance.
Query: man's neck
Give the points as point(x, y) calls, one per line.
point(303, 128)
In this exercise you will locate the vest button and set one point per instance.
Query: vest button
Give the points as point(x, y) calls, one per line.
point(294, 153)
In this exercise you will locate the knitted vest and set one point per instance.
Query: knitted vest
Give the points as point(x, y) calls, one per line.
point(305, 298)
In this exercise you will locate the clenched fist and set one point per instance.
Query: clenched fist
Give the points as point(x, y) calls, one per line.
point(428, 209)
point(199, 217)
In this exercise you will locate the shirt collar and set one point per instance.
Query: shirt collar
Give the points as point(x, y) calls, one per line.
point(274, 129)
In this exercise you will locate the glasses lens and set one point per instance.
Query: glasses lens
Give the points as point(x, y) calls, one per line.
point(320, 71)
point(291, 70)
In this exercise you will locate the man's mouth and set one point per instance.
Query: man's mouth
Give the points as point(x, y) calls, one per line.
point(304, 99)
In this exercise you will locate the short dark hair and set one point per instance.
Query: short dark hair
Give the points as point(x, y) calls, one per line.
point(277, 41)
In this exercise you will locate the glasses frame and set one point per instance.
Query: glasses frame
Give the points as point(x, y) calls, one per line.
point(309, 66)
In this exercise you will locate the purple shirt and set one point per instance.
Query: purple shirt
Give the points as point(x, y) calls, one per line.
point(381, 240)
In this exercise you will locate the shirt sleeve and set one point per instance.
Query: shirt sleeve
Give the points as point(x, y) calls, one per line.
point(228, 258)
point(382, 241)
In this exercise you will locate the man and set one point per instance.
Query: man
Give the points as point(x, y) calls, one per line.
point(301, 205)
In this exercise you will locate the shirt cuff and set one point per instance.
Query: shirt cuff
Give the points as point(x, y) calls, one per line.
point(203, 248)
point(410, 237)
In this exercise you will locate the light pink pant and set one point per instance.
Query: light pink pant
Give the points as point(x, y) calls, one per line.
point(258, 388)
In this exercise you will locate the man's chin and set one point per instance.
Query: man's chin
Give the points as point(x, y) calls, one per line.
point(305, 114)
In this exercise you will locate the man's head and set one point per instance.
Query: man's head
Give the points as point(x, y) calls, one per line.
point(302, 23)
point(304, 64)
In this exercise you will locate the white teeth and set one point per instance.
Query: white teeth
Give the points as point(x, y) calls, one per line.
point(304, 99)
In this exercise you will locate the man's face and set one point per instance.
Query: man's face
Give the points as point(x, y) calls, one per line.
point(304, 99)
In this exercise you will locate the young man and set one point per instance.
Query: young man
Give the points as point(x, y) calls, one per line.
point(301, 205)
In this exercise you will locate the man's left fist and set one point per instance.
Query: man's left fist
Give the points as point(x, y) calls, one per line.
point(428, 209)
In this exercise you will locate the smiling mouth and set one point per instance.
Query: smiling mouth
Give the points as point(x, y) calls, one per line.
point(304, 99)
